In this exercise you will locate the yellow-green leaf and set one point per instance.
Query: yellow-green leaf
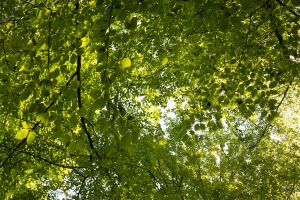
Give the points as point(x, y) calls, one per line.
point(165, 61)
point(125, 62)
point(162, 142)
point(21, 134)
point(31, 137)
point(25, 125)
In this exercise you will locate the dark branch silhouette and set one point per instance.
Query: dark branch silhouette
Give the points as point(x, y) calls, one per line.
point(268, 125)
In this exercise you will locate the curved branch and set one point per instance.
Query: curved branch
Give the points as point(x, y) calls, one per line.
point(80, 105)
point(12, 152)
point(35, 125)
point(82, 119)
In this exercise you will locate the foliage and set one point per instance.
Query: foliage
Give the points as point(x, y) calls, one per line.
point(140, 99)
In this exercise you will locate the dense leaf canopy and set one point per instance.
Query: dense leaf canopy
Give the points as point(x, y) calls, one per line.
point(145, 99)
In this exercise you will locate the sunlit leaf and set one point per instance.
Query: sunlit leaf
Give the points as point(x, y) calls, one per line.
point(21, 134)
point(25, 125)
point(162, 142)
point(107, 115)
point(31, 136)
point(164, 61)
point(125, 62)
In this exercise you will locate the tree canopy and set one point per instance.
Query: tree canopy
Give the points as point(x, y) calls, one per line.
point(145, 99)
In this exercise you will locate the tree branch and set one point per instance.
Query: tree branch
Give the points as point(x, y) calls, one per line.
point(13, 151)
point(81, 186)
point(82, 119)
point(80, 105)
point(47, 161)
point(290, 10)
point(296, 180)
point(35, 125)
point(67, 84)
point(268, 125)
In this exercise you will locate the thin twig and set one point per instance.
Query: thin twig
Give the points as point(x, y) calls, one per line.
point(13, 151)
point(34, 127)
point(81, 186)
point(80, 105)
point(79, 100)
point(268, 125)
point(290, 10)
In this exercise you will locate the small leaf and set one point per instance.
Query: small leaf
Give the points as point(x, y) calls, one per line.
point(272, 103)
point(272, 116)
point(55, 73)
point(162, 142)
point(74, 120)
point(219, 124)
point(98, 104)
point(73, 148)
point(125, 62)
point(73, 58)
point(25, 125)
point(273, 84)
point(197, 127)
point(264, 113)
point(31, 137)
point(82, 112)
point(43, 117)
point(202, 126)
point(164, 61)
point(250, 88)
point(21, 134)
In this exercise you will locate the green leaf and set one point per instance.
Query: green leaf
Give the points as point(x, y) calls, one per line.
point(73, 58)
point(202, 126)
point(125, 63)
point(43, 117)
point(272, 116)
point(31, 136)
point(25, 125)
point(197, 127)
point(74, 120)
point(273, 84)
point(272, 103)
point(264, 113)
point(164, 61)
point(98, 104)
point(73, 147)
point(21, 134)
point(152, 130)
point(55, 73)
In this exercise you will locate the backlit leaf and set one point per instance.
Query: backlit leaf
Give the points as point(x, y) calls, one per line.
point(21, 134)
point(164, 61)
point(25, 125)
point(31, 136)
point(125, 62)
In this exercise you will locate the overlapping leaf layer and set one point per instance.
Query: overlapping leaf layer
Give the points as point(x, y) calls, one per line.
point(140, 99)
